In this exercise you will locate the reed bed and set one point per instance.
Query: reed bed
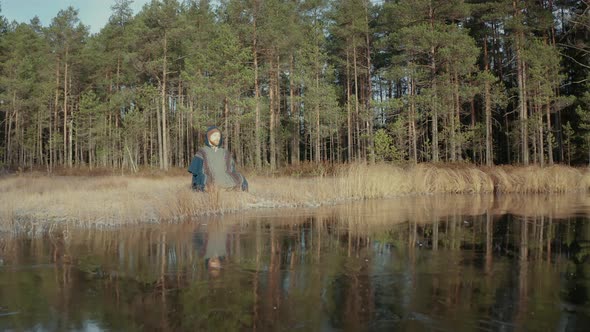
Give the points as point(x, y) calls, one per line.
point(117, 200)
point(535, 179)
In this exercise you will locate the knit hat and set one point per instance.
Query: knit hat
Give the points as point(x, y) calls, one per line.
point(210, 132)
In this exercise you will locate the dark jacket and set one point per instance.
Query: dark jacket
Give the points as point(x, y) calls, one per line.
point(199, 168)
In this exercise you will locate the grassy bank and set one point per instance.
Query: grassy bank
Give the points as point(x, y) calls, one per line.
point(113, 200)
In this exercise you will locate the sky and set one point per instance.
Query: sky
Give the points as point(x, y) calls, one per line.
point(93, 13)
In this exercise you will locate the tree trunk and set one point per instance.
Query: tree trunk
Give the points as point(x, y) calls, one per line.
point(257, 129)
point(356, 100)
point(294, 115)
point(488, 110)
point(521, 92)
point(317, 118)
point(52, 129)
point(71, 123)
point(160, 145)
point(558, 128)
point(272, 121)
point(539, 117)
point(435, 151)
point(90, 146)
point(110, 155)
point(237, 143)
point(18, 142)
point(348, 110)
point(39, 140)
point(549, 135)
point(164, 126)
point(525, 105)
point(65, 109)
point(180, 142)
point(117, 141)
point(412, 129)
point(453, 119)
point(70, 139)
point(369, 97)
point(226, 122)
point(458, 145)
point(277, 117)
point(9, 130)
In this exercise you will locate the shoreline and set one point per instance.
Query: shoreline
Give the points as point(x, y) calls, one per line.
point(119, 200)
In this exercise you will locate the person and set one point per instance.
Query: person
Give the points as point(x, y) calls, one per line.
point(213, 165)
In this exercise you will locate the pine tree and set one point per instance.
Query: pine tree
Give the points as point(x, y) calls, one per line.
point(351, 43)
point(422, 43)
point(297, 80)
point(67, 36)
point(487, 16)
point(25, 94)
point(157, 31)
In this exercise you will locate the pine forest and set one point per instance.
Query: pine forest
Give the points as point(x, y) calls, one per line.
point(299, 81)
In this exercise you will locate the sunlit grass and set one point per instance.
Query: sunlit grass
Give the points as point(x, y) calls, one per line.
point(534, 179)
point(116, 200)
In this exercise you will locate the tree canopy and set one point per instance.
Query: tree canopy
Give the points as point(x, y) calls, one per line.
point(289, 81)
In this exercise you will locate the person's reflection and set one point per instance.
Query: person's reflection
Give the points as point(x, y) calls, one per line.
point(212, 242)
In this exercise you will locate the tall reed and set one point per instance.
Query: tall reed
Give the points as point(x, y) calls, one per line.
point(116, 200)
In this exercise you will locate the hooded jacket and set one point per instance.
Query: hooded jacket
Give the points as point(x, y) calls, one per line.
point(200, 166)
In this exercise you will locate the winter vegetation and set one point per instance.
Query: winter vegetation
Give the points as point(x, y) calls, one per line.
point(32, 199)
point(490, 82)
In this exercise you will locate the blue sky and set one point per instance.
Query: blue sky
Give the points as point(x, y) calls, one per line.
point(94, 13)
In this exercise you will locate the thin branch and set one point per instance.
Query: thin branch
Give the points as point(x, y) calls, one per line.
point(576, 61)
point(574, 47)
point(571, 83)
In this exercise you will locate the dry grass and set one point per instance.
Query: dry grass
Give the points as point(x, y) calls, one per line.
point(115, 200)
point(108, 200)
point(534, 179)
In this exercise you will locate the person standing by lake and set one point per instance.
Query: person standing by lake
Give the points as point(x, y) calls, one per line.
point(213, 165)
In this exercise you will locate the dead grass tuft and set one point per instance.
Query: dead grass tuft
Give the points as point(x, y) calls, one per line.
point(431, 178)
point(116, 200)
point(535, 179)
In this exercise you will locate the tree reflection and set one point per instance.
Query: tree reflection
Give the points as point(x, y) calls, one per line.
point(450, 263)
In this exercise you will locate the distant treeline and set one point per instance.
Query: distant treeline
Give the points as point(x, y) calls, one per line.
point(288, 81)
